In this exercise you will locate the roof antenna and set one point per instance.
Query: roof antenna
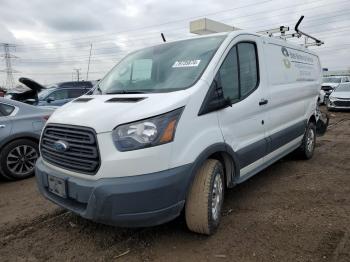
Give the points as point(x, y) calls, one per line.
point(163, 37)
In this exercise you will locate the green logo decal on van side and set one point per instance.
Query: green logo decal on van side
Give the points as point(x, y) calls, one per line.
point(286, 63)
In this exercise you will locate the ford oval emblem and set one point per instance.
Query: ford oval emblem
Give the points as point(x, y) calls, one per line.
point(60, 146)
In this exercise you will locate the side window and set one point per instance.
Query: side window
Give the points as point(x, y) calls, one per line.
point(248, 68)
point(59, 94)
point(74, 93)
point(228, 75)
point(238, 73)
point(6, 110)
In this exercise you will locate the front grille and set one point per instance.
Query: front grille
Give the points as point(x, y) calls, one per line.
point(81, 154)
point(342, 103)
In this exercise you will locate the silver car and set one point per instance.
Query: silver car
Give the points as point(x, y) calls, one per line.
point(20, 129)
point(340, 97)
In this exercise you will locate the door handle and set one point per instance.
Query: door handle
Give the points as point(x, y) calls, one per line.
point(2, 126)
point(263, 102)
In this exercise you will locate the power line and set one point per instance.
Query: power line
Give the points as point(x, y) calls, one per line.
point(334, 15)
point(189, 18)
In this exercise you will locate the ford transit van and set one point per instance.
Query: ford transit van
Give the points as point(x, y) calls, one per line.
point(171, 127)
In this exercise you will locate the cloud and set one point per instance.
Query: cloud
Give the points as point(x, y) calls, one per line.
point(54, 36)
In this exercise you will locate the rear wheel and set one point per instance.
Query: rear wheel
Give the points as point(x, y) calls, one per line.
point(307, 147)
point(17, 159)
point(205, 199)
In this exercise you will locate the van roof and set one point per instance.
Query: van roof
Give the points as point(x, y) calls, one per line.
point(272, 40)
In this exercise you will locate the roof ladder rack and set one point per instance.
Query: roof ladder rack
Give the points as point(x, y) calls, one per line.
point(282, 30)
point(316, 42)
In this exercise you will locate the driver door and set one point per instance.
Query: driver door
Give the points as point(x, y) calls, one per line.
point(242, 124)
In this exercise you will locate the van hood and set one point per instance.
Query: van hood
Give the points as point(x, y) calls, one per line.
point(341, 94)
point(105, 112)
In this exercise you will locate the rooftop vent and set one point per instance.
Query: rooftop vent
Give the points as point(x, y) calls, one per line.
point(82, 100)
point(125, 99)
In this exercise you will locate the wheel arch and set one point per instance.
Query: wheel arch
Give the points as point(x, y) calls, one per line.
point(223, 153)
point(33, 137)
point(312, 119)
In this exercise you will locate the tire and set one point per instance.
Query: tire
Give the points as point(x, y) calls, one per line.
point(307, 147)
point(17, 159)
point(202, 216)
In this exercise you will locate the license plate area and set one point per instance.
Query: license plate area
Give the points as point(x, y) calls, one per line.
point(57, 186)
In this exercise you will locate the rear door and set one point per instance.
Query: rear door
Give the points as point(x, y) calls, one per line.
point(5, 122)
point(243, 123)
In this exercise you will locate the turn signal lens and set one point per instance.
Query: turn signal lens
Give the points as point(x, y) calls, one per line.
point(169, 132)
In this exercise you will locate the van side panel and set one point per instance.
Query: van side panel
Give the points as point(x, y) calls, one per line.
point(294, 84)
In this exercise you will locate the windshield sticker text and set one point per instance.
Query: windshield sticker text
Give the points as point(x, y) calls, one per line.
point(186, 63)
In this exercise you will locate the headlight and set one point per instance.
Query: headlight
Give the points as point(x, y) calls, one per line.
point(148, 132)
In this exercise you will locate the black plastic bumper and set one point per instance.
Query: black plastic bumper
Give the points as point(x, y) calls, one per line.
point(136, 201)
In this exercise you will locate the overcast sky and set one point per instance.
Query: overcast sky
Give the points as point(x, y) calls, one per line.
point(53, 37)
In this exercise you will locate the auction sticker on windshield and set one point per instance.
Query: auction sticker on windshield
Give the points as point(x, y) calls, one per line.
point(186, 63)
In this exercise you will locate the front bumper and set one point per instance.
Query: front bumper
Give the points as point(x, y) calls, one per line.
point(332, 104)
point(135, 201)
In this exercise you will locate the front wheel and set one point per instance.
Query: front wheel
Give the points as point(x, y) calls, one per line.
point(205, 199)
point(307, 147)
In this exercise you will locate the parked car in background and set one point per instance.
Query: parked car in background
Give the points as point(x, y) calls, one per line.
point(53, 95)
point(340, 97)
point(20, 129)
point(331, 82)
point(2, 92)
point(62, 93)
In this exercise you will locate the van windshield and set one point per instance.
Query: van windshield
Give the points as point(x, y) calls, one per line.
point(163, 68)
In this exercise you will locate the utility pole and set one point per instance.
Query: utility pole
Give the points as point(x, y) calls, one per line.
point(88, 68)
point(10, 83)
point(77, 70)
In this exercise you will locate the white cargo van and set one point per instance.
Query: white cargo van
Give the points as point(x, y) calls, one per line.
point(171, 127)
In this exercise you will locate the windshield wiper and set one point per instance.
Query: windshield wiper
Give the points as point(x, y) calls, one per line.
point(124, 92)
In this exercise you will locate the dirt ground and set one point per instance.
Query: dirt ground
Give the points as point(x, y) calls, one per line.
point(293, 211)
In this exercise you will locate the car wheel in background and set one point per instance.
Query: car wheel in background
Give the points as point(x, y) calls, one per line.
point(205, 199)
point(17, 159)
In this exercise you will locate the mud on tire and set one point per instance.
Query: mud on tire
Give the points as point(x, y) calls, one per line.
point(204, 202)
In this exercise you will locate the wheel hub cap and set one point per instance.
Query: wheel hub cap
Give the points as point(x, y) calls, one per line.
point(310, 140)
point(21, 160)
point(217, 195)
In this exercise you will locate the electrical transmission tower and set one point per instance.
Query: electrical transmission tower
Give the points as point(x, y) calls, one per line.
point(10, 83)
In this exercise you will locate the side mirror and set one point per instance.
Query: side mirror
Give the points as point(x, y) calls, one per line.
point(214, 100)
point(50, 99)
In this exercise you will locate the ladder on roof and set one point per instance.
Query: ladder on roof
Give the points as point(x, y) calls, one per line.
point(282, 33)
